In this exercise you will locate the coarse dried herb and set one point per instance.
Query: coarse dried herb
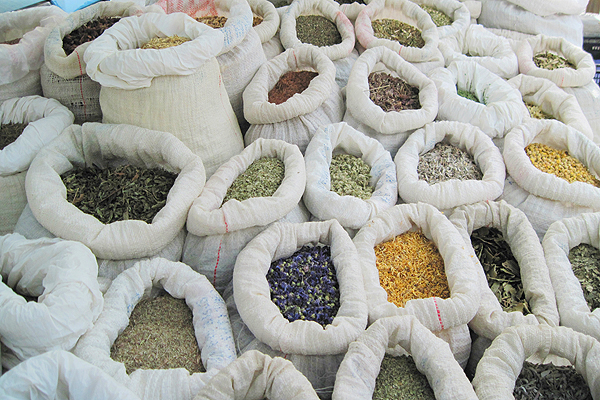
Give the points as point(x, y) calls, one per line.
point(118, 193)
point(350, 176)
point(304, 285)
point(87, 32)
point(438, 17)
point(467, 95)
point(585, 262)
point(445, 162)
point(160, 335)
point(163, 43)
point(289, 84)
point(399, 379)
point(261, 179)
point(317, 30)
point(411, 267)
point(560, 163)
point(216, 22)
point(11, 42)
point(392, 29)
point(536, 112)
point(350, 1)
point(551, 61)
point(551, 382)
point(501, 269)
point(391, 93)
point(10, 132)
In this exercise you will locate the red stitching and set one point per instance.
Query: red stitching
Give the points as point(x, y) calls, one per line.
point(438, 313)
point(81, 84)
point(219, 253)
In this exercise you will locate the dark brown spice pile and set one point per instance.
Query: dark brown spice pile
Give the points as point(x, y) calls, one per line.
point(289, 84)
point(391, 93)
point(14, 41)
point(87, 32)
point(350, 1)
point(317, 30)
point(9, 133)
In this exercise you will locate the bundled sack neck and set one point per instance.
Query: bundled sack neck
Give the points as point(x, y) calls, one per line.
point(454, 192)
point(269, 26)
point(457, 11)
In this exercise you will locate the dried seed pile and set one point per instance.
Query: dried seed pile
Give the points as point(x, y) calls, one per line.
point(289, 84)
point(160, 335)
point(437, 16)
point(551, 382)
point(261, 179)
point(501, 269)
point(399, 379)
point(118, 193)
point(87, 32)
point(163, 43)
point(585, 262)
point(9, 133)
point(536, 112)
point(445, 162)
point(317, 30)
point(392, 29)
point(411, 267)
point(551, 61)
point(467, 95)
point(391, 93)
point(213, 21)
point(304, 285)
point(350, 176)
point(559, 163)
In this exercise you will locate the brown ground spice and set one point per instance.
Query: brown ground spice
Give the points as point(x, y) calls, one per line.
point(289, 84)
point(87, 32)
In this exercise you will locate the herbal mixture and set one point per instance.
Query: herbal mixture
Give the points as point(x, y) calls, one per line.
point(350, 176)
point(261, 179)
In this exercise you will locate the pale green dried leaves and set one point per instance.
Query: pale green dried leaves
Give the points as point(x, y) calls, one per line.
point(445, 162)
point(261, 179)
point(403, 33)
point(399, 379)
point(350, 176)
point(437, 16)
point(550, 61)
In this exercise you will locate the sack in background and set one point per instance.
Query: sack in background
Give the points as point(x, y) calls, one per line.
point(546, 8)
point(457, 11)
point(268, 29)
point(588, 97)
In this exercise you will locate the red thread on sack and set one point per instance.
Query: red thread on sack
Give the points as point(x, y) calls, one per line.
point(81, 84)
point(438, 313)
point(219, 252)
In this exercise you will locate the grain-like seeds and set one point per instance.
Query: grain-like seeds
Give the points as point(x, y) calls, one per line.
point(163, 43)
point(350, 176)
point(551, 61)
point(551, 382)
point(392, 29)
point(536, 112)
point(317, 30)
point(438, 17)
point(87, 32)
point(445, 162)
point(585, 262)
point(10, 132)
point(261, 179)
point(399, 379)
point(391, 93)
point(289, 84)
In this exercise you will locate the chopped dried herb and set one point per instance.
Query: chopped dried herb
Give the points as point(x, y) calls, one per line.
point(163, 43)
point(392, 29)
point(9, 133)
point(445, 162)
point(350, 176)
point(11, 42)
point(467, 95)
point(391, 93)
point(551, 61)
point(536, 112)
point(317, 30)
point(289, 84)
point(560, 163)
point(585, 262)
point(261, 179)
point(217, 22)
point(350, 1)
point(87, 32)
point(548, 381)
point(437, 16)
point(399, 379)
point(501, 269)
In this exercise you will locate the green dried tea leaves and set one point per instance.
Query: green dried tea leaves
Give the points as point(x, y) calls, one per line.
point(9, 133)
point(350, 176)
point(438, 17)
point(548, 381)
point(317, 30)
point(445, 162)
point(399, 379)
point(392, 29)
point(391, 93)
point(536, 112)
point(551, 61)
point(501, 269)
point(261, 179)
point(585, 261)
point(467, 95)
point(118, 193)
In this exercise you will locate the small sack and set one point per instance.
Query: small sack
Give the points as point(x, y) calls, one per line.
point(62, 275)
point(255, 376)
point(297, 119)
point(588, 97)
point(518, 233)
point(457, 11)
point(474, 7)
point(351, 212)
point(400, 335)
point(268, 29)
point(390, 128)
point(560, 238)
point(547, 8)
point(501, 106)
point(211, 327)
point(454, 192)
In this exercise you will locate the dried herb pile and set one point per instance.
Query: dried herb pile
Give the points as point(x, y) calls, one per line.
point(391, 93)
point(437, 16)
point(9, 133)
point(551, 382)
point(399, 379)
point(350, 176)
point(411, 267)
point(560, 163)
point(350, 1)
point(467, 95)
point(536, 112)
point(304, 285)
point(392, 29)
point(217, 22)
point(585, 262)
point(163, 43)
point(11, 42)
point(445, 162)
point(261, 179)
point(551, 61)
point(289, 84)
point(501, 269)
point(317, 30)
point(118, 193)
point(160, 335)
point(87, 32)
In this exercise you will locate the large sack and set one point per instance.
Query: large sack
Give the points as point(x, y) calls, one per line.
point(400, 335)
point(501, 106)
point(177, 90)
point(62, 275)
point(211, 327)
point(457, 11)
point(351, 212)
point(547, 8)
point(474, 7)
point(588, 97)
point(454, 192)
point(20, 63)
point(390, 128)
point(46, 119)
point(295, 120)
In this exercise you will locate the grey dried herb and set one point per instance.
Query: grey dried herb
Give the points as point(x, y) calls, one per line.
point(468, 95)
point(261, 179)
point(391, 93)
point(392, 29)
point(399, 379)
point(437, 16)
point(445, 162)
point(585, 262)
point(9, 133)
point(536, 112)
point(548, 381)
point(317, 30)
point(551, 61)
point(350, 176)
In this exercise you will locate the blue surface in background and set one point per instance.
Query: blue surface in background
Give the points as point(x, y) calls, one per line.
point(12, 5)
point(72, 5)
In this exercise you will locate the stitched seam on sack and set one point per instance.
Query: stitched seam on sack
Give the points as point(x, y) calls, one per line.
point(219, 252)
point(81, 84)
point(438, 313)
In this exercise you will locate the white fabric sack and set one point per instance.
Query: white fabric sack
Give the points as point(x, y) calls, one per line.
point(454, 192)
point(518, 233)
point(390, 128)
point(501, 109)
point(584, 71)
point(483, 47)
point(560, 238)
point(106, 145)
point(59, 375)
point(513, 37)
point(457, 11)
point(29, 85)
point(548, 8)
point(588, 97)
point(474, 7)
point(502, 362)
point(255, 375)
point(351, 10)
point(400, 335)
point(351, 212)
point(211, 326)
point(435, 313)
point(268, 29)
point(63, 275)
point(553, 101)
point(296, 120)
